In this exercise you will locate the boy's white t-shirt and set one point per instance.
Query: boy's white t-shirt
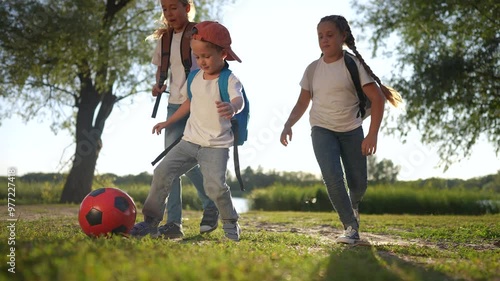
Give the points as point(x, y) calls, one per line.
point(177, 75)
point(335, 103)
point(204, 126)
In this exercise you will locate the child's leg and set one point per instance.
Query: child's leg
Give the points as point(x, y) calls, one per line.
point(213, 165)
point(354, 164)
point(326, 147)
point(176, 162)
point(174, 204)
point(196, 178)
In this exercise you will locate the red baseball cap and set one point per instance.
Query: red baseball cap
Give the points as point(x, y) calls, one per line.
point(215, 33)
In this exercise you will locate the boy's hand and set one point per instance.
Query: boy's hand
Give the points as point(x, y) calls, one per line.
point(158, 127)
point(157, 90)
point(225, 109)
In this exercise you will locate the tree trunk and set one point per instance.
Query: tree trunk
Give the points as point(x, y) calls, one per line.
point(88, 145)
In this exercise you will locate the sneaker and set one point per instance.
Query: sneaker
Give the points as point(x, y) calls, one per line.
point(350, 236)
point(171, 230)
point(210, 221)
point(144, 228)
point(232, 231)
point(356, 214)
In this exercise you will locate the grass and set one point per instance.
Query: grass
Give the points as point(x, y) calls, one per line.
point(274, 246)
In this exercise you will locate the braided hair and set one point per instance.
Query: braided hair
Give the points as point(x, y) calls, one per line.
point(341, 23)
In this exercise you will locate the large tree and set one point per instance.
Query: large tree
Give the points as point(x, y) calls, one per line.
point(448, 68)
point(74, 60)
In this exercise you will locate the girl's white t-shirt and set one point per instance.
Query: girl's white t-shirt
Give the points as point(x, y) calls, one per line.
point(204, 126)
point(335, 103)
point(177, 76)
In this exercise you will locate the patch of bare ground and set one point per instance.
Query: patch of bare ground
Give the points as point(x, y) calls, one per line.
point(42, 211)
point(325, 233)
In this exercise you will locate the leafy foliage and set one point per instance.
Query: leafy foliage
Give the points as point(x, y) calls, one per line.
point(52, 49)
point(448, 68)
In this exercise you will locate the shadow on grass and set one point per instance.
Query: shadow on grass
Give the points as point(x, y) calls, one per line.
point(366, 263)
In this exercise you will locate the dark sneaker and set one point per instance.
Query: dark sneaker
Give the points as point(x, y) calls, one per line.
point(145, 228)
point(232, 231)
point(171, 230)
point(210, 221)
point(350, 236)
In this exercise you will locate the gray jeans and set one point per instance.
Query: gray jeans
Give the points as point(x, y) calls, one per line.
point(179, 160)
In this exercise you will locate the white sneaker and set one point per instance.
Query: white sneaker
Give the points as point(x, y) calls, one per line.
point(350, 236)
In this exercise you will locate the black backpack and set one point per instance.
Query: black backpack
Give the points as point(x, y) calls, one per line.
point(364, 101)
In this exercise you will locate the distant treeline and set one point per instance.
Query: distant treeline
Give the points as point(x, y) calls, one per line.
point(258, 178)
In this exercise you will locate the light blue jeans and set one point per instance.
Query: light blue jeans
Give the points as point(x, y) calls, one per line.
point(182, 158)
point(174, 203)
point(339, 154)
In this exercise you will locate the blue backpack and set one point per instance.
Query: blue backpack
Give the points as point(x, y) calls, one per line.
point(239, 123)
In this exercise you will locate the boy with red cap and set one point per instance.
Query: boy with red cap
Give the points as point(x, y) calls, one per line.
point(207, 136)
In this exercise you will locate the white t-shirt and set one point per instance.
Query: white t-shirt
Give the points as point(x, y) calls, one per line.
point(335, 103)
point(177, 75)
point(204, 126)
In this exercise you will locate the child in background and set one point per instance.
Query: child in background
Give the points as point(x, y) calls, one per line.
point(207, 136)
point(176, 16)
point(337, 135)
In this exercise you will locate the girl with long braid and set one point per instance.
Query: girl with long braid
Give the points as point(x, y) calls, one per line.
point(336, 125)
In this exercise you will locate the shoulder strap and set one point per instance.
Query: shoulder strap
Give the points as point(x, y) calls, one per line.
point(353, 70)
point(224, 83)
point(186, 47)
point(224, 95)
point(190, 78)
point(166, 41)
point(310, 74)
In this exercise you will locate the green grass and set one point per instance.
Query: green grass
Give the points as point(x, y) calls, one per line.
point(274, 246)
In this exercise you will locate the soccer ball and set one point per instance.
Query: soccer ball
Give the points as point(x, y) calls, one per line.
point(107, 211)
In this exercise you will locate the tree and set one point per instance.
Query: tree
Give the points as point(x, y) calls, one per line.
point(448, 68)
point(75, 60)
point(383, 171)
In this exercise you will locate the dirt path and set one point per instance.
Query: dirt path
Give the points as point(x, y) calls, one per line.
point(325, 233)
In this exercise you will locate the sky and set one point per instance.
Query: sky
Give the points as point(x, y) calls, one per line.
point(276, 40)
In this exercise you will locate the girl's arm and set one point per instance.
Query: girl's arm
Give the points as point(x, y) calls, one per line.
point(297, 112)
point(373, 92)
point(180, 113)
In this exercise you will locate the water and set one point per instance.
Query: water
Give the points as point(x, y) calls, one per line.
point(240, 204)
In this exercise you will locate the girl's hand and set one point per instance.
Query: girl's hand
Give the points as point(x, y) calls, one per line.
point(225, 109)
point(369, 145)
point(158, 127)
point(286, 135)
point(157, 90)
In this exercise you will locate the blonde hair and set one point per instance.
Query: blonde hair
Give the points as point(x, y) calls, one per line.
point(392, 96)
point(163, 23)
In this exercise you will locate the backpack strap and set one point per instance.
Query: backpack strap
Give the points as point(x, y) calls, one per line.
point(166, 151)
point(224, 96)
point(166, 41)
point(186, 58)
point(310, 75)
point(353, 70)
point(190, 78)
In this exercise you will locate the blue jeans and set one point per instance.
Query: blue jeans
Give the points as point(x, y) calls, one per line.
point(174, 203)
point(339, 154)
point(182, 158)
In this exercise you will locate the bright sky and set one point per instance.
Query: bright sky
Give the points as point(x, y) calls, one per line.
point(276, 40)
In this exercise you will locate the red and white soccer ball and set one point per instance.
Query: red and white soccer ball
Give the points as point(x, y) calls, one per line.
point(107, 211)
